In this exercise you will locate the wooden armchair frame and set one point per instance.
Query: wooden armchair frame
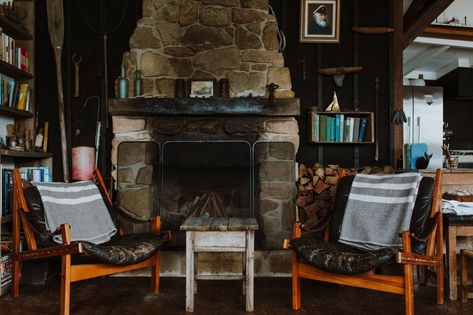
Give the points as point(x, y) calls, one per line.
point(403, 284)
point(69, 271)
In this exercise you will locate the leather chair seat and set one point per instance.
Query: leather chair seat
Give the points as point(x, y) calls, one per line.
point(125, 249)
point(339, 258)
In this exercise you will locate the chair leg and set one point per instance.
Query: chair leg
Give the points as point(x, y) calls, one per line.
point(15, 278)
point(155, 269)
point(296, 284)
point(408, 289)
point(440, 283)
point(65, 284)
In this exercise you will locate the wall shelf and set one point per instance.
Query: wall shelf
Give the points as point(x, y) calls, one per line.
point(24, 154)
point(13, 72)
point(15, 113)
point(14, 30)
point(321, 131)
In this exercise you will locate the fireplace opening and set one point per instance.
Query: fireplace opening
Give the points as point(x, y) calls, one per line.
point(201, 178)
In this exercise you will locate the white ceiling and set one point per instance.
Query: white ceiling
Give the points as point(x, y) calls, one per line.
point(435, 57)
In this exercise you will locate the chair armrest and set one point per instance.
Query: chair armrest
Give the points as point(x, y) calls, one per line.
point(416, 259)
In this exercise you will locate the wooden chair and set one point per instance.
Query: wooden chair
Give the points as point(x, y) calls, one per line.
point(68, 251)
point(429, 237)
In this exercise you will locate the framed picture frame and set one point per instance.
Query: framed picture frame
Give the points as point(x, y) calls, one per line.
point(319, 21)
point(202, 88)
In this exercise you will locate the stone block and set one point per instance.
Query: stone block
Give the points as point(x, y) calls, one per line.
point(219, 61)
point(165, 87)
point(125, 175)
point(257, 82)
point(270, 222)
point(215, 17)
point(282, 126)
point(246, 40)
point(284, 94)
point(280, 262)
point(254, 28)
point(267, 205)
point(278, 190)
point(169, 32)
point(183, 67)
point(259, 67)
point(200, 34)
point(280, 76)
point(166, 12)
point(274, 240)
point(145, 37)
point(125, 124)
point(238, 81)
point(179, 51)
point(188, 12)
point(147, 8)
point(147, 86)
point(155, 65)
point(294, 139)
point(282, 151)
point(259, 56)
point(270, 37)
point(151, 153)
point(226, 3)
point(130, 153)
point(137, 203)
point(276, 171)
point(245, 16)
point(255, 4)
point(288, 214)
point(145, 175)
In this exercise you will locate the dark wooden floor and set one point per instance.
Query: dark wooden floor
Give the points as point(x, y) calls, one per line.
point(120, 296)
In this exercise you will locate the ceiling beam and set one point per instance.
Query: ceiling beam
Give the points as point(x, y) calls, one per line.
point(413, 12)
point(431, 10)
point(423, 58)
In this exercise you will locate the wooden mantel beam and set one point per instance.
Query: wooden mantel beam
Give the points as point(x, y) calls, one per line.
point(431, 10)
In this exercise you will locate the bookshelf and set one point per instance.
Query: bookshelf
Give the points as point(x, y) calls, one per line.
point(341, 128)
point(17, 75)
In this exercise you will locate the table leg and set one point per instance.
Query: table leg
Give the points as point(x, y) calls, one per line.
point(250, 246)
point(243, 272)
point(452, 261)
point(189, 271)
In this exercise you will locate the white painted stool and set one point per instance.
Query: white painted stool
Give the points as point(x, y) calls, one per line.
point(220, 235)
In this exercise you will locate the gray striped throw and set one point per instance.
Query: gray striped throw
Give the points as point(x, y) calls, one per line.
point(379, 207)
point(81, 205)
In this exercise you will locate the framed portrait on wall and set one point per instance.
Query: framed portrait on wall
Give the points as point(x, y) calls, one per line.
point(319, 21)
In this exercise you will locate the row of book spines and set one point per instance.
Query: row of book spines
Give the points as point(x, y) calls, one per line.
point(338, 128)
point(14, 94)
point(13, 54)
point(34, 174)
point(6, 264)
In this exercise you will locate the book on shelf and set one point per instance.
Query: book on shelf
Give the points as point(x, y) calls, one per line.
point(33, 174)
point(363, 123)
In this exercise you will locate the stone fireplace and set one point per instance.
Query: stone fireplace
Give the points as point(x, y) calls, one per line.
point(158, 135)
point(248, 158)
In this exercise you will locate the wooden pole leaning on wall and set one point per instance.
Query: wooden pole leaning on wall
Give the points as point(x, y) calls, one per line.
point(55, 13)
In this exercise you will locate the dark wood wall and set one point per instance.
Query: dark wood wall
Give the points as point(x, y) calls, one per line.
point(86, 20)
point(372, 52)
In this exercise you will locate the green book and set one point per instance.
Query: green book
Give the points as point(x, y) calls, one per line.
point(323, 127)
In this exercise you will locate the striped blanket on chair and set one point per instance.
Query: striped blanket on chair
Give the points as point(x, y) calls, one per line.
point(79, 204)
point(379, 207)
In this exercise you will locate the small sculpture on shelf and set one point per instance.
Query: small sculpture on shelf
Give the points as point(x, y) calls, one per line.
point(334, 106)
point(38, 143)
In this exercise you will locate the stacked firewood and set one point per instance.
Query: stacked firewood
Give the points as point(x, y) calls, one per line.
point(209, 203)
point(316, 189)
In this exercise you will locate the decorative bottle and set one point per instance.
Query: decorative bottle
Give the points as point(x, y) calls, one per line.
point(137, 83)
point(122, 84)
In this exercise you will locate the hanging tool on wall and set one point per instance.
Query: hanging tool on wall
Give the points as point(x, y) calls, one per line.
point(339, 73)
point(55, 13)
point(76, 59)
point(376, 123)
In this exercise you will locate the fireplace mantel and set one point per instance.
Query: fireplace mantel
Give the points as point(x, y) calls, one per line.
point(204, 107)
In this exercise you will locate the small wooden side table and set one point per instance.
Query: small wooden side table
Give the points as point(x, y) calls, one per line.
point(220, 235)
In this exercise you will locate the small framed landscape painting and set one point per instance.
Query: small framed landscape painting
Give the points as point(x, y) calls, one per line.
point(319, 21)
point(202, 88)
